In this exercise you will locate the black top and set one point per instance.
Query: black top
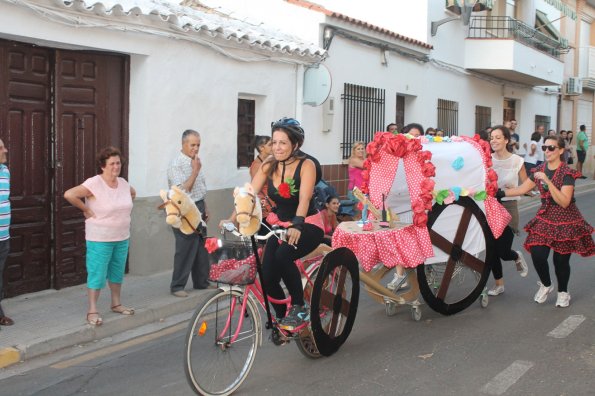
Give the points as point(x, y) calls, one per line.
point(287, 207)
point(567, 180)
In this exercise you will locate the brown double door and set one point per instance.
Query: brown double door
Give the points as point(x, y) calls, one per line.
point(57, 109)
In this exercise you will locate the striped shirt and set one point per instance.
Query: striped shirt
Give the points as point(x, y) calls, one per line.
point(179, 171)
point(4, 202)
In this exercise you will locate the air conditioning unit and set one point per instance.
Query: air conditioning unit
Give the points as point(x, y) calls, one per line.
point(574, 86)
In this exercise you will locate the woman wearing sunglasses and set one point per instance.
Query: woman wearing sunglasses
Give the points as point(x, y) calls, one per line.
point(558, 224)
point(509, 168)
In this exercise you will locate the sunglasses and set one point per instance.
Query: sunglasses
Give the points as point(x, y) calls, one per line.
point(549, 148)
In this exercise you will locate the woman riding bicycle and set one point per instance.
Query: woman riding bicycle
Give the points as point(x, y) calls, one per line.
point(290, 178)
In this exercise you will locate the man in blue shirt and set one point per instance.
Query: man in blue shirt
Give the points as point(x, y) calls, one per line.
point(4, 223)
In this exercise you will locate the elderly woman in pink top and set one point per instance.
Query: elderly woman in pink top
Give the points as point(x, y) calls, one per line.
point(107, 206)
point(355, 167)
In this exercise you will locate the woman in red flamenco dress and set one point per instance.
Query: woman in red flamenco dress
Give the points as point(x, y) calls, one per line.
point(558, 224)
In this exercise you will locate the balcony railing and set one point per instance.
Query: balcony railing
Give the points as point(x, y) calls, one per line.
point(502, 27)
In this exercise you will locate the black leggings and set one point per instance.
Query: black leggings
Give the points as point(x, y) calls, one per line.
point(539, 255)
point(278, 263)
point(504, 252)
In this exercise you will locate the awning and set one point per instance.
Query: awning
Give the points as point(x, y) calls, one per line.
point(478, 5)
point(563, 8)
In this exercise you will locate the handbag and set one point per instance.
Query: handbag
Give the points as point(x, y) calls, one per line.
point(570, 161)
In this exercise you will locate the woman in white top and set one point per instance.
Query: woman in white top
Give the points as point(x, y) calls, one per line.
point(509, 168)
point(531, 156)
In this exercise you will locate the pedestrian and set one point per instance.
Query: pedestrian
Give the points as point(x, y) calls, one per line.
point(107, 206)
point(393, 128)
point(558, 224)
point(355, 168)
point(514, 137)
point(4, 223)
point(509, 168)
point(329, 218)
point(430, 131)
point(582, 144)
point(191, 257)
point(414, 129)
point(264, 146)
point(531, 158)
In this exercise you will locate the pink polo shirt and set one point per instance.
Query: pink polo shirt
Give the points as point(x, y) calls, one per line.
point(112, 208)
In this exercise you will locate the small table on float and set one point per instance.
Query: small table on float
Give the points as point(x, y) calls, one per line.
point(370, 248)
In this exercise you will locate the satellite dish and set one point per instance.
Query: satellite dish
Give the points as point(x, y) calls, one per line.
point(317, 85)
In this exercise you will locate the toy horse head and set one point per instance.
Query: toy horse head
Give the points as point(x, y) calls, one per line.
point(181, 212)
point(248, 209)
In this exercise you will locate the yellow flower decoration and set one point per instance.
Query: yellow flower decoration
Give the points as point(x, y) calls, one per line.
point(438, 139)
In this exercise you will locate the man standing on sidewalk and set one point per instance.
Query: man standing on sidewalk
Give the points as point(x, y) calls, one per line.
point(582, 144)
point(4, 223)
point(191, 257)
point(514, 137)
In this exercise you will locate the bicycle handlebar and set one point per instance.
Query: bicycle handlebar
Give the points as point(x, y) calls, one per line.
point(278, 232)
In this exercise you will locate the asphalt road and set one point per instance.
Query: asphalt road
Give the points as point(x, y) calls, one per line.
point(512, 347)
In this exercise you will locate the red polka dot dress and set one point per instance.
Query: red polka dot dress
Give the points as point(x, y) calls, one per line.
point(562, 229)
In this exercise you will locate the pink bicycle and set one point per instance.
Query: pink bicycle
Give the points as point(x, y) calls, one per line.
point(226, 330)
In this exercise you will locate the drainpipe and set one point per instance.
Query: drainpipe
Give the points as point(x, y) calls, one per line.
point(577, 38)
point(299, 92)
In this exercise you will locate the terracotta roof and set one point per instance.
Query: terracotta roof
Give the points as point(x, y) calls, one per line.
point(358, 22)
point(190, 20)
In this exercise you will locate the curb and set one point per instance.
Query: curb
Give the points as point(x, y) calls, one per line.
point(84, 334)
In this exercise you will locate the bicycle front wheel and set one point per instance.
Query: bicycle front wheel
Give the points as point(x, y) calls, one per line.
point(221, 343)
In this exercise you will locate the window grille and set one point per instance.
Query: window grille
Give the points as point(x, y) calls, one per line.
point(245, 141)
point(448, 116)
point(363, 115)
point(542, 120)
point(483, 118)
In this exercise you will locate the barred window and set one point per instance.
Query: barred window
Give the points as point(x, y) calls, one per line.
point(542, 120)
point(363, 114)
point(448, 116)
point(483, 118)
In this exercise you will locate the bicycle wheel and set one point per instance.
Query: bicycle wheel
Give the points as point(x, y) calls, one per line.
point(305, 340)
point(454, 285)
point(221, 343)
point(334, 300)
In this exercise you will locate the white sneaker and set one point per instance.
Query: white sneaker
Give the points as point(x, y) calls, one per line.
point(563, 299)
point(521, 264)
point(542, 293)
point(496, 290)
point(392, 285)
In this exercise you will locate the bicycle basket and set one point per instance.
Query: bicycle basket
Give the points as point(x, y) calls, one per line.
point(233, 263)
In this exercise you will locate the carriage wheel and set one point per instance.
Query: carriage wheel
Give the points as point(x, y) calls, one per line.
point(305, 340)
point(334, 300)
point(452, 286)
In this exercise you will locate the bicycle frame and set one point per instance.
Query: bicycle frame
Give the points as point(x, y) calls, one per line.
point(259, 293)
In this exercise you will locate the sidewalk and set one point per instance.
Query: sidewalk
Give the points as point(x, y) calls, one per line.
point(52, 320)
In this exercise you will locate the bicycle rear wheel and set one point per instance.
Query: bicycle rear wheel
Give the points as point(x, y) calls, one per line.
point(216, 362)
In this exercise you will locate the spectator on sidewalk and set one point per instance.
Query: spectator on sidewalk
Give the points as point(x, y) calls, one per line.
point(514, 137)
point(329, 218)
point(191, 257)
point(569, 147)
point(4, 224)
point(414, 130)
point(393, 128)
point(558, 224)
point(582, 145)
point(531, 158)
point(107, 207)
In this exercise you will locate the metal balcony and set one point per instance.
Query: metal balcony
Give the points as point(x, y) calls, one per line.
point(503, 27)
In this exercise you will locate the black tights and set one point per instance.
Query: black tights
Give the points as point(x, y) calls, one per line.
point(504, 252)
point(278, 263)
point(539, 255)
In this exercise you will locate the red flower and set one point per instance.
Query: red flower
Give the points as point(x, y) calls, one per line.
point(418, 206)
point(420, 219)
point(428, 169)
point(211, 244)
point(396, 148)
point(425, 155)
point(427, 185)
point(476, 137)
point(492, 175)
point(491, 188)
point(413, 145)
point(427, 198)
point(284, 190)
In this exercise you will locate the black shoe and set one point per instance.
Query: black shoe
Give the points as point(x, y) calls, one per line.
point(298, 314)
point(582, 177)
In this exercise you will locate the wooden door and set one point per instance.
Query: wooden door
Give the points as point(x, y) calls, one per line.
point(246, 125)
point(90, 114)
point(25, 78)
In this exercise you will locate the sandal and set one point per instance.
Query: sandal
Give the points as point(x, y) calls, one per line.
point(97, 321)
point(123, 311)
point(6, 321)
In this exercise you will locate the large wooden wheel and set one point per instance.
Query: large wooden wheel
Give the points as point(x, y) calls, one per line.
point(452, 286)
point(334, 300)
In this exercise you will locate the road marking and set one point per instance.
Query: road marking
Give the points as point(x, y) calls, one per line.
point(119, 347)
point(506, 378)
point(567, 326)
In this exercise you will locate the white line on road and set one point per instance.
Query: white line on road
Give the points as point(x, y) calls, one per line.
point(506, 378)
point(568, 326)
